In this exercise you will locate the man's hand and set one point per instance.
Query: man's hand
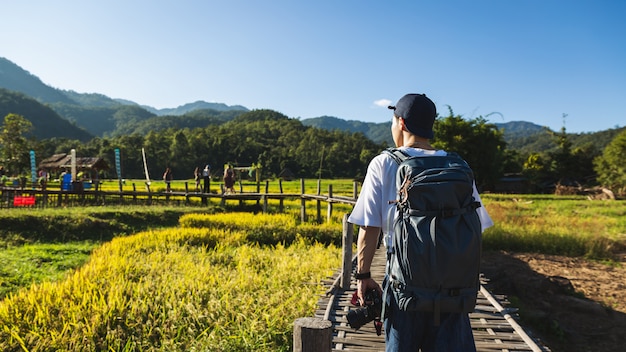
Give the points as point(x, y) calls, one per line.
point(365, 285)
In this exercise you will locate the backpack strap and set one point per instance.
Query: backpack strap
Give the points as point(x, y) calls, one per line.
point(399, 156)
point(396, 154)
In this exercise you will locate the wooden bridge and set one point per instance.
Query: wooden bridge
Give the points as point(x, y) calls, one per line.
point(495, 327)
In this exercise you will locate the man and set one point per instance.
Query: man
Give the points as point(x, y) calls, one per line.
point(206, 175)
point(411, 129)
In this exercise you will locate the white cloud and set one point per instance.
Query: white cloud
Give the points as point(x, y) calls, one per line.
point(382, 102)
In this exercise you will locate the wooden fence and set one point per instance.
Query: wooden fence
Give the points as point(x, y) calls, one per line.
point(12, 197)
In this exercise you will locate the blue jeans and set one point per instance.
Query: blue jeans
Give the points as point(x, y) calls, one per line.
point(412, 331)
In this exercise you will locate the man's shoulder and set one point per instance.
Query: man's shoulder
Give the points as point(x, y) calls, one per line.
point(413, 152)
point(383, 158)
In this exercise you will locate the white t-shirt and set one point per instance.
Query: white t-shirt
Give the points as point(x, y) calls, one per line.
point(375, 208)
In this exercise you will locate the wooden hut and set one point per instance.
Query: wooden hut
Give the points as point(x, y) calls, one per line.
point(89, 166)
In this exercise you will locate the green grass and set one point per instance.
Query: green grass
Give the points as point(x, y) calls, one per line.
point(23, 265)
point(53, 225)
point(39, 245)
point(570, 226)
point(340, 186)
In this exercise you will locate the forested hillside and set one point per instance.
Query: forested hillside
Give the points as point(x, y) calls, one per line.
point(14, 78)
point(103, 116)
point(522, 136)
point(378, 132)
point(543, 140)
point(195, 106)
point(262, 139)
point(197, 133)
point(190, 120)
point(46, 122)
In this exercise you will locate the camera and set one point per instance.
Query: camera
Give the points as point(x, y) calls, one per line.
point(371, 311)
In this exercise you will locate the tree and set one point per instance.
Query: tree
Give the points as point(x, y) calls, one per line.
point(130, 150)
point(610, 166)
point(571, 165)
point(181, 155)
point(535, 168)
point(261, 138)
point(562, 159)
point(478, 142)
point(15, 146)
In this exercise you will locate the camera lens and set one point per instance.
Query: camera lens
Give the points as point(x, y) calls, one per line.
point(359, 317)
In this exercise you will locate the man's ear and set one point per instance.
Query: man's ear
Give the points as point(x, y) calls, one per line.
point(402, 124)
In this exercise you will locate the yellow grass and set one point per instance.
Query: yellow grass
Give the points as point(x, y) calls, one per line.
point(176, 289)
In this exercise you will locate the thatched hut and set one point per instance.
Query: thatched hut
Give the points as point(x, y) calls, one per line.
point(89, 166)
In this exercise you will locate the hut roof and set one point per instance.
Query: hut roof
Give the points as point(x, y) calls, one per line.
point(286, 174)
point(62, 161)
point(53, 161)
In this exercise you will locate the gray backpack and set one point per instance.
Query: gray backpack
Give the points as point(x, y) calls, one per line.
point(435, 262)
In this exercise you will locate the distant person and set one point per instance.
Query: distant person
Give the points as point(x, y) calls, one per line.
point(3, 176)
point(196, 178)
point(229, 179)
point(43, 178)
point(167, 177)
point(66, 181)
point(206, 175)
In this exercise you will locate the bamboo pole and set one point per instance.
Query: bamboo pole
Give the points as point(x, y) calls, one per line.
point(346, 242)
point(318, 201)
point(267, 187)
point(281, 203)
point(302, 202)
point(329, 212)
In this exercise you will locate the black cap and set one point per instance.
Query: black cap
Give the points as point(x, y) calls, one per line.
point(418, 112)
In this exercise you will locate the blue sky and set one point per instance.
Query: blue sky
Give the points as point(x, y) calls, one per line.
point(545, 61)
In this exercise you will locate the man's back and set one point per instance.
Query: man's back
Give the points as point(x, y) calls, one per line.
point(411, 128)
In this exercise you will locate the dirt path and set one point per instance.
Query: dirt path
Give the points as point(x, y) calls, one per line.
point(571, 304)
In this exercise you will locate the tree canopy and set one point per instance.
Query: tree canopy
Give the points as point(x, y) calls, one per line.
point(478, 142)
point(14, 146)
point(272, 142)
point(610, 166)
point(264, 138)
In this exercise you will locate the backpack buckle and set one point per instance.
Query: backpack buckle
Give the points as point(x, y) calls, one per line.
point(397, 285)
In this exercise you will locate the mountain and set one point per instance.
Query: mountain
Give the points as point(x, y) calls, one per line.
point(198, 105)
point(193, 119)
point(378, 132)
point(92, 100)
point(101, 116)
point(46, 122)
point(513, 131)
point(13, 77)
point(69, 114)
point(519, 129)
